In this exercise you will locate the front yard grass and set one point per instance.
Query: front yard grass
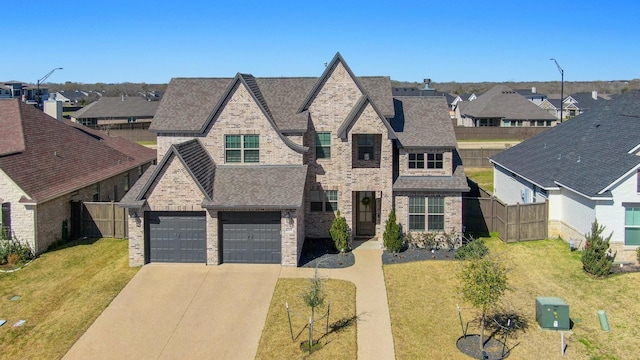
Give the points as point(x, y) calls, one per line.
point(340, 343)
point(61, 293)
point(423, 297)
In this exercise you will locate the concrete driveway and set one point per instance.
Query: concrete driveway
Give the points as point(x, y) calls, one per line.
point(181, 311)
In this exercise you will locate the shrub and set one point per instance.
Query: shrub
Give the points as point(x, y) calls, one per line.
point(13, 251)
point(340, 233)
point(638, 254)
point(392, 236)
point(475, 249)
point(596, 259)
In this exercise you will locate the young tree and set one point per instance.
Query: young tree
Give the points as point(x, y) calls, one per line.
point(340, 233)
point(313, 297)
point(484, 281)
point(392, 236)
point(596, 259)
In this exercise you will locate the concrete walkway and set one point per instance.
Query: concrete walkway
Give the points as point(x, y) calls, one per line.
point(375, 340)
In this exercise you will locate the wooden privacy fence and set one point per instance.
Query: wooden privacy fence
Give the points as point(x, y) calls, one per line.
point(98, 219)
point(477, 157)
point(513, 223)
point(496, 132)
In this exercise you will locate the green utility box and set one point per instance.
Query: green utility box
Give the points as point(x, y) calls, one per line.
point(552, 313)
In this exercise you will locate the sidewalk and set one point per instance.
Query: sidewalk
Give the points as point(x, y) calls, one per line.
point(374, 325)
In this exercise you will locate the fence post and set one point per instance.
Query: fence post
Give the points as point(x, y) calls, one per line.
point(113, 219)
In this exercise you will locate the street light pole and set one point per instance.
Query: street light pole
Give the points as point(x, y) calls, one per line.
point(38, 85)
point(561, 87)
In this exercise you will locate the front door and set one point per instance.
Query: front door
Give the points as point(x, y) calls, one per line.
point(365, 213)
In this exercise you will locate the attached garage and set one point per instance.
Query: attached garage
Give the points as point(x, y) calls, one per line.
point(176, 236)
point(250, 237)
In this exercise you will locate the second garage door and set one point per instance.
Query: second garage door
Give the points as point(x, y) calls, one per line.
point(250, 237)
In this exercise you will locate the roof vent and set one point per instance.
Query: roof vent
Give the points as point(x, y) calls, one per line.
point(578, 158)
point(559, 156)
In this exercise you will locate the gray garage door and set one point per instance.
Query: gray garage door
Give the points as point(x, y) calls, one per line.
point(176, 237)
point(250, 237)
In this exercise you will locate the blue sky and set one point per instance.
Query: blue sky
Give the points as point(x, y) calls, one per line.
point(465, 41)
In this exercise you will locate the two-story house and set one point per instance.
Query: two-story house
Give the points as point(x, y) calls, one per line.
point(251, 168)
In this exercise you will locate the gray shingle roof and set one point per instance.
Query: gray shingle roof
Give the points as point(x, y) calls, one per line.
point(199, 163)
point(587, 153)
point(188, 103)
point(585, 101)
point(115, 107)
point(502, 102)
point(423, 121)
point(457, 182)
point(258, 187)
point(355, 113)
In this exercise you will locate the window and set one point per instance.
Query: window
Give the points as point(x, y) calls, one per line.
point(416, 161)
point(434, 161)
point(632, 226)
point(507, 123)
point(365, 146)
point(324, 201)
point(89, 121)
point(430, 220)
point(436, 214)
point(132, 119)
point(242, 148)
point(5, 219)
point(323, 145)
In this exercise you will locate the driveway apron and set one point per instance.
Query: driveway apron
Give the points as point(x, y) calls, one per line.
point(180, 311)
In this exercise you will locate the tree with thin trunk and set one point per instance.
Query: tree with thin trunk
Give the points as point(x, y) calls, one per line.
point(313, 297)
point(483, 281)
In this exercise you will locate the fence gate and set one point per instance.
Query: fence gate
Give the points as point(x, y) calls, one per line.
point(98, 219)
point(484, 214)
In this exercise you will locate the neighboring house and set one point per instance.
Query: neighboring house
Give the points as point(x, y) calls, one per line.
point(552, 106)
point(587, 169)
point(25, 92)
point(502, 106)
point(76, 97)
point(581, 102)
point(426, 91)
point(250, 168)
point(113, 112)
point(532, 95)
point(463, 97)
point(45, 164)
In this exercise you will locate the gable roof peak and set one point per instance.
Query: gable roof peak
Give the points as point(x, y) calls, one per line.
point(337, 59)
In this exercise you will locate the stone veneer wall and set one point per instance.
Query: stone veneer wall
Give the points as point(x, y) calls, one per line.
point(329, 109)
point(452, 208)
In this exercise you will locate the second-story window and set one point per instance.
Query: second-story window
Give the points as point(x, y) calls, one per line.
point(365, 146)
point(416, 161)
point(323, 145)
point(435, 161)
point(242, 148)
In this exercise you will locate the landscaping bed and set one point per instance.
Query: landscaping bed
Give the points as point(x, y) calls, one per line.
point(321, 253)
point(410, 255)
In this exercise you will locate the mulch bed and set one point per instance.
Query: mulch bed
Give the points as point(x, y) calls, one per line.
point(321, 253)
point(617, 269)
point(493, 349)
point(410, 255)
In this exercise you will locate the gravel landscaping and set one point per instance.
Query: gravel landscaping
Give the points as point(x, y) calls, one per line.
point(410, 255)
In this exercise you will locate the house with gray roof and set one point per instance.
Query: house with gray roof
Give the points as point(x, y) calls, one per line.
point(120, 114)
point(250, 168)
point(504, 107)
point(586, 169)
point(46, 165)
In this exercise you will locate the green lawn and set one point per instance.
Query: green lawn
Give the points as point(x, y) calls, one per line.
point(62, 292)
point(423, 298)
point(482, 176)
point(340, 343)
point(147, 143)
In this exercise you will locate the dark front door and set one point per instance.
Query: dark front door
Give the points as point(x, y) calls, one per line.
point(365, 213)
point(177, 237)
point(250, 237)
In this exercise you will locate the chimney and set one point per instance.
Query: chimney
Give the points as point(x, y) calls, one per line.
point(534, 90)
point(594, 94)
